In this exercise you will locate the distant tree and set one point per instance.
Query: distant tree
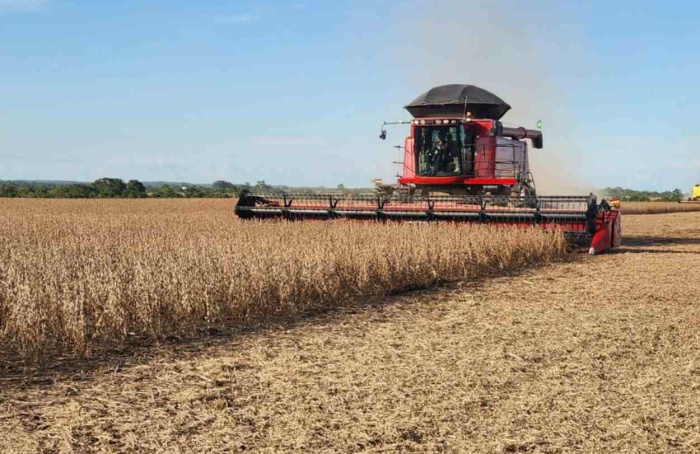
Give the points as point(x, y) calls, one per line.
point(73, 191)
point(109, 187)
point(165, 192)
point(630, 195)
point(194, 192)
point(261, 186)
point(222, 185)
point(9, 190)
point(341, 187)
point(40, 191)
point(135, 189)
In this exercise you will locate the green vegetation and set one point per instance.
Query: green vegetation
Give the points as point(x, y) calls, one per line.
point(630, 195)
point(110, 188)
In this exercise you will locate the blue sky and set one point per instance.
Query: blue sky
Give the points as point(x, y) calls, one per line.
point(294, 92)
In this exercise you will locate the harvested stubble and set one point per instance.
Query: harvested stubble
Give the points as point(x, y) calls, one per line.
point(77, 277)
point(597, 355)
point(658, 207)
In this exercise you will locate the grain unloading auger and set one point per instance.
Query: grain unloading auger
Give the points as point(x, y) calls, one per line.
point(460, 164)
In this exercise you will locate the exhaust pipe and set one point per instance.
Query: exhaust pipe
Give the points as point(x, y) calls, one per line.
point(522, 133)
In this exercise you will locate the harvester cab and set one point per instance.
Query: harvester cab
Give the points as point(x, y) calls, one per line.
point(460, 164)
point(451, 156)
point(458, 146)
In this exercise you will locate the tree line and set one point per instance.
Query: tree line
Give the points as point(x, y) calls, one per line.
point(118, 188)
point(105, 188)
point(630, 195)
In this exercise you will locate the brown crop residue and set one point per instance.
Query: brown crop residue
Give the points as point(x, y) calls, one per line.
point(78, 277)
point(658, 207)
point(598, 354)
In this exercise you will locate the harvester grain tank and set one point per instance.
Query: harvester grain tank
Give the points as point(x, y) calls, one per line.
point(695, 195)
point(460, 164)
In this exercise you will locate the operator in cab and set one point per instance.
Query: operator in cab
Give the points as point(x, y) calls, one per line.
point(445, 155)
point(438, 152)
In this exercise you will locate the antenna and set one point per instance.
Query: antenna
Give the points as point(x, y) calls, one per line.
point(466, 100)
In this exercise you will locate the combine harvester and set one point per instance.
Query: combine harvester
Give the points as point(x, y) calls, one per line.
point(694, 195)
point(460, 164)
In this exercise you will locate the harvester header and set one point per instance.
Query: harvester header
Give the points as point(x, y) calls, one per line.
point(460, 164)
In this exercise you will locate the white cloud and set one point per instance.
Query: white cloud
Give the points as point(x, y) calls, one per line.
point(234, 18)
point(23, 6)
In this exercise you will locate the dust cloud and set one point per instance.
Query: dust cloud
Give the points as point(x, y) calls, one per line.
point(511, 51)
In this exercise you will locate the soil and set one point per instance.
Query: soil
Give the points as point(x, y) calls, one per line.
point(599, 354)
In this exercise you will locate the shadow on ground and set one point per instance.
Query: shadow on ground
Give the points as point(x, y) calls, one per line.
point(15, 374)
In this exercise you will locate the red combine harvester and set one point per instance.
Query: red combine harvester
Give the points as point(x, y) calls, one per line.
point(461, 165)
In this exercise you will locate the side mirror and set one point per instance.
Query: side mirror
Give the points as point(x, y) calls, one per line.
point(382, 135)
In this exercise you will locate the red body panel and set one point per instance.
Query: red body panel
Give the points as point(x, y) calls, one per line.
point(409, 158)
point(485, 157)
point(608, 232)
point(459, 180)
